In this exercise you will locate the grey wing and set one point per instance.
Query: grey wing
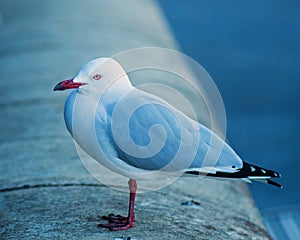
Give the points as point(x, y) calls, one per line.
point(155, 135)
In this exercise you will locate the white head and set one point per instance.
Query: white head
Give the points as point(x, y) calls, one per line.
point(96, 74)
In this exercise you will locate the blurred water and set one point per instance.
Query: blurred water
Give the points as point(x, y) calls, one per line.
point(251, 50)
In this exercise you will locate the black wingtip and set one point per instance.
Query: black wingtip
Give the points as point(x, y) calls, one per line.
point(277, 175)
point(248, 171)
point(253, 170)
point(274, 183)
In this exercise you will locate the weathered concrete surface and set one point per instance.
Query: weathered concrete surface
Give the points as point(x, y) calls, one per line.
point(47, 192)
point(73, 213)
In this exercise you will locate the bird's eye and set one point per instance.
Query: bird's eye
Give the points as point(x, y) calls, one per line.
point(97, 76)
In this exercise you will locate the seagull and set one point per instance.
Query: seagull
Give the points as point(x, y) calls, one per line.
point(135, 133)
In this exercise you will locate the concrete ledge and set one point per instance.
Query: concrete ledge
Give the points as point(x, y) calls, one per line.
point(47, 192)
point(176, 212)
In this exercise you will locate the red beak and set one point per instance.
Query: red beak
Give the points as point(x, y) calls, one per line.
point(67, 84)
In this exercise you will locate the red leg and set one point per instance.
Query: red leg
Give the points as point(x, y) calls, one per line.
point(117, 222)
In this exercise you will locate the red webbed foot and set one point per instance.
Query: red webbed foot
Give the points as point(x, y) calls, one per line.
point(118, 222)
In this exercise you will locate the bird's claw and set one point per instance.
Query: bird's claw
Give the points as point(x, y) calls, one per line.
point(112, 218)
point(117, 222)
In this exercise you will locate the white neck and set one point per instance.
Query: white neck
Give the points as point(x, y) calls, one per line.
point(116, 90)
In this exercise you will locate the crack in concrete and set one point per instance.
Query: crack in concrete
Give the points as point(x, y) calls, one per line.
point(46, 185)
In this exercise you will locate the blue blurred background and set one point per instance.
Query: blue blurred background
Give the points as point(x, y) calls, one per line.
point(252, 51)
